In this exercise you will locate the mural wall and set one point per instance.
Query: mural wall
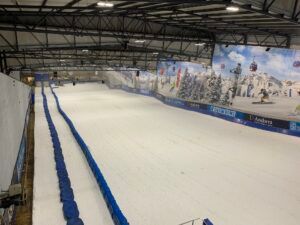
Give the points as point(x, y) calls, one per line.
point(181, 79)
point(233, 89)
point(246, 78)
point(242, 77)
point(260, 81)
point(133, 78)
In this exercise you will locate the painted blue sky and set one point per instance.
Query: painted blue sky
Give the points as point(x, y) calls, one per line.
point(276, 62)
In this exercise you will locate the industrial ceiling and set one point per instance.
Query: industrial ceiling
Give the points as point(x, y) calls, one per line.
point(42, 33)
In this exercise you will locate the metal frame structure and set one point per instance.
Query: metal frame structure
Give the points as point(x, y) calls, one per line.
point(72, 32)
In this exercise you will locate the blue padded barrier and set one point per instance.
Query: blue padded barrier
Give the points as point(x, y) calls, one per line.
point(207, 222)
point(115, 211)
point(70, 209)
point(75, 221)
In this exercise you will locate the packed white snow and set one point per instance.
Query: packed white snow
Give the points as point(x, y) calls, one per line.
point(166, 165)
point(47, 206)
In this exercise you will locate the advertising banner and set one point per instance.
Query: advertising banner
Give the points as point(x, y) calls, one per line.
point(268, 121)
point(295, 126)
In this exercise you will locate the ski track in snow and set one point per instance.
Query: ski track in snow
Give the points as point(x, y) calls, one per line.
point(47, 208)
point(166, 165)
point(91, 205)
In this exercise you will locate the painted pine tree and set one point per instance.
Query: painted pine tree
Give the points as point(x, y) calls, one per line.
point(190, 86)
point(225, 98)
point(182, 92)
point(197, 93)
point(214, 89)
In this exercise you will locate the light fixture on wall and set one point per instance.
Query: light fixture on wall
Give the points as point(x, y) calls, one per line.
point(105, 4)
point(232, 8)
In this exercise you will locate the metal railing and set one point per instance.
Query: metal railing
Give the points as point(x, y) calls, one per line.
point(196, 221)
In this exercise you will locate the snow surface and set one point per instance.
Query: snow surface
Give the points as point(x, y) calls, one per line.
point(47, 206)
point(283, 107)
point(47, 209)
point(166, 165)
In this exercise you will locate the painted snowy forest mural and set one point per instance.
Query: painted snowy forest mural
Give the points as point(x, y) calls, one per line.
point(246, 78)
point(135, 78)
point(194, 82)
point(241, 77)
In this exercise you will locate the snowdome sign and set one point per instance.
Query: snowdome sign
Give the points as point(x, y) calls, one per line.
point(246, 78)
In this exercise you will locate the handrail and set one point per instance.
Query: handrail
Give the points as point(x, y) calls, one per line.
point(190, 221)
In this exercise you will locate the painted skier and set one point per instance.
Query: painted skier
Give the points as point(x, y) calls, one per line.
point(250, 89)
point(237, 73)
point(173, 85)
point(265, 95)
point(229, 96)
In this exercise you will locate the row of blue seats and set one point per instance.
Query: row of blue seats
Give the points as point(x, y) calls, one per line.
point(70, 209)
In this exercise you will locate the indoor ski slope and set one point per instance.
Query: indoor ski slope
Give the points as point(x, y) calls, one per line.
point(164, 165)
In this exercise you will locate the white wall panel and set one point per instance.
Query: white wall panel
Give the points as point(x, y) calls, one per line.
point(13, 107)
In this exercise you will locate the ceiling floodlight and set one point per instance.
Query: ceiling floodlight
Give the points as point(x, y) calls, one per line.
point(200, 44)
point(105, 4)
point(155, 53)
point(232, 8)
point(85, 50)
point(140, 41)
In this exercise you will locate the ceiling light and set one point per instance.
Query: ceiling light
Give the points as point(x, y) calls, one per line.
point(105, 4)
point(155, 53)
point(62, 60)
point(140, 41)
point(85, 50)
point(232, 8)
point(200, 44)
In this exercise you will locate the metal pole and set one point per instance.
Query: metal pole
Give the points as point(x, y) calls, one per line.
point(1, 65)
point(5, 62)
